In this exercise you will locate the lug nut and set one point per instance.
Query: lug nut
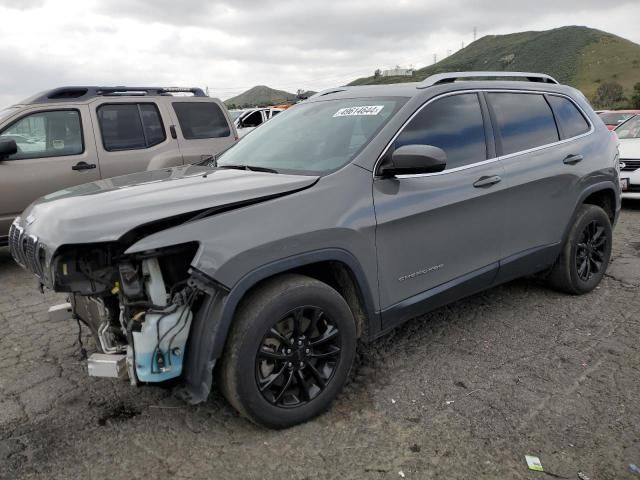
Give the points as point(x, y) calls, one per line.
point(299, 342)
point(301, 364)
point(307, 351)
point(289, 364)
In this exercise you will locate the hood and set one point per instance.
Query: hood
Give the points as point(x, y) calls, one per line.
point(629, 148)
point(105, 210)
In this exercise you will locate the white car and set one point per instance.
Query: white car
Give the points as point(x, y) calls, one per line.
point(629, 135)
point(253, 118)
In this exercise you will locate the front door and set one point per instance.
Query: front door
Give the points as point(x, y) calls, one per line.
point(440, 233)
point(52, 154)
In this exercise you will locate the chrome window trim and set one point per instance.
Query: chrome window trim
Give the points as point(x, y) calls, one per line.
point(489, 160)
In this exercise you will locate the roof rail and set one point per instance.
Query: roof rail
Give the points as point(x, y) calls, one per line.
point(329, 91)
point(440, 78)
point(84, 93)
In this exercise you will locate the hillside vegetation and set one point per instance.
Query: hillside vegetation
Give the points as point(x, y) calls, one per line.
point(579, 56)
point(260, 96)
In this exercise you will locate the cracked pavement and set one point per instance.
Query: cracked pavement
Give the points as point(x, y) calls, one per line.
point(464, 392)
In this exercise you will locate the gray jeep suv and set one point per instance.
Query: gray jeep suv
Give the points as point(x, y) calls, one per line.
point(338, 220)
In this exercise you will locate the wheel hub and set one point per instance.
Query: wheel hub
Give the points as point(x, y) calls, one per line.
point(298, 357)
point(590, 251)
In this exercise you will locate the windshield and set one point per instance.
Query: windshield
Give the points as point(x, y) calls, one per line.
point(235, 113)
point(313, 138)
point(629, 129)
point(614, 118)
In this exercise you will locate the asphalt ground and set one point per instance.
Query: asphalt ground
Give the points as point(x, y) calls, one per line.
point(464, 392)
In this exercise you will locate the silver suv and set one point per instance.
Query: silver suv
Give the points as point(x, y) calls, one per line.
point(335, 221)
point(73, 135)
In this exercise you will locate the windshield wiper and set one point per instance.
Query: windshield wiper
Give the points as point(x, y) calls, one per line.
point(252, 168)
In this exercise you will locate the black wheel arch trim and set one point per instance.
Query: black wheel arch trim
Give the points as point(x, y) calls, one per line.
point(590, 190)
point(287, 264)
point(212, 321)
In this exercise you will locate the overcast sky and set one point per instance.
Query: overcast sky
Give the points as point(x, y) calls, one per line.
point(233, 45)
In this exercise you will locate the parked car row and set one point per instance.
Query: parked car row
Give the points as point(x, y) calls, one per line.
point(613, 118)
point(248, 119)
point(629, 134)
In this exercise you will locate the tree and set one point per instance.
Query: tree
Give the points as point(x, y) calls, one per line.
point(377, 73)
point(635, 99)
point(609, 95)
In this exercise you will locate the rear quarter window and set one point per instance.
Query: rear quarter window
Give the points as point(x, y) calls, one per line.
point(524, 121)
point(201, 120)
point(571, 122)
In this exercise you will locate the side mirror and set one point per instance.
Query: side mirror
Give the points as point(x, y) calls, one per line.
point(7, 148)
point(414, 159)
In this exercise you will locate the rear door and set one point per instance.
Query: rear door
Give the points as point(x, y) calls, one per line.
point(543, 165)
point(132, 135)
point(55, 150)
point(203, 127)
point(441, 232)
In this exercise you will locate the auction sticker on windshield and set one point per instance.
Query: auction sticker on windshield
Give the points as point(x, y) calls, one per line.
point(355, 111)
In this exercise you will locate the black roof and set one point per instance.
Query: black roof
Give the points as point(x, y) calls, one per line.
point(63, 94)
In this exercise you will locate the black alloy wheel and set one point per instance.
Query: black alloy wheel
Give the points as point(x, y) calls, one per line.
point(297, 357)
point(585, 255)
point(289, 351)
point(591, 251)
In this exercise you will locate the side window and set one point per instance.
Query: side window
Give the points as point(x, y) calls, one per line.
point(524, 121)
point(253, 119)
point(130, 126)
point(453, 124)
point(572, 122)
point(152, 123)
point(46, 134)
point(201, 120)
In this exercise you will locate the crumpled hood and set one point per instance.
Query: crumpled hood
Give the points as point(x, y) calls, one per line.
point(105, 210)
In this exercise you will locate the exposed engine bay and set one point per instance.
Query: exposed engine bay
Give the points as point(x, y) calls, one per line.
point(139, 309)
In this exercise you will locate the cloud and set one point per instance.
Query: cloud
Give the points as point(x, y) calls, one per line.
point(22, 4)
point(231, 45)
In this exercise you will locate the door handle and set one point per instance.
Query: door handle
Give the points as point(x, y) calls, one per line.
point(83, 166)
point(484, 182)
point(572, 159)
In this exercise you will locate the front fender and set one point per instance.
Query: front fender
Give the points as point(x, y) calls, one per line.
point(211, 325)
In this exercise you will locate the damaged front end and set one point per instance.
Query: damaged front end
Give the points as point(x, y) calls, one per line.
point(138, 307)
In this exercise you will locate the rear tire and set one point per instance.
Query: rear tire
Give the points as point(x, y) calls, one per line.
point(289, 351)
point(585, 254)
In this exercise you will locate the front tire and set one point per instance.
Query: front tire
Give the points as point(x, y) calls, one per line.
point(586, 253)
point(289, 351)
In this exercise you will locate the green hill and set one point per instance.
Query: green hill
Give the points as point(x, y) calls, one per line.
point(578, 56)
point(260, 96)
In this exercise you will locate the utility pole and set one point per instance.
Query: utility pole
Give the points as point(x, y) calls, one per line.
point(435, 58)
point(475, 33)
